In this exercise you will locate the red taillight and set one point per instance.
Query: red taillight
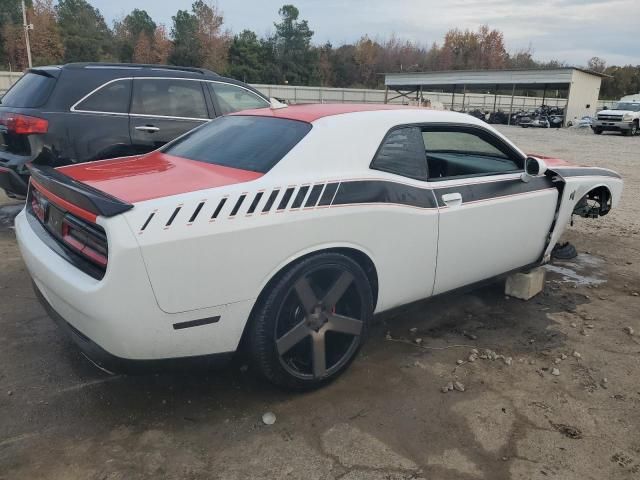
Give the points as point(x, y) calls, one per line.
point(90, 245)
point(23, 124)
point(37, 205)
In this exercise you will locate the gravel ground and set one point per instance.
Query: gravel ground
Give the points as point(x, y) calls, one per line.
point(386, 418)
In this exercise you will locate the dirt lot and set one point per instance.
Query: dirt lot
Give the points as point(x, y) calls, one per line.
point(386, 418)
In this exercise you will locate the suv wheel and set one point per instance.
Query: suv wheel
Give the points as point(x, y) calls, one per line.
point(634, 129)
point(597, 131)
point(312, 322)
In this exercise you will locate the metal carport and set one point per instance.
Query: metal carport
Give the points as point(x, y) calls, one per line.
point(582, 86)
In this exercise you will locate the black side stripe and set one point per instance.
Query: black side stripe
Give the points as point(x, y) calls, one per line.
point(146, 223)
point(254, 204)
point(285, 198)
point(218, 208)
point(487, 190)
point(379, 191)
point(584, 172)
point(297, 202)
point(328, 194)
point(314, 196)
point(173, 216)
point(196, 212)
point(195, 323)
point(270, 201)
point(237, 206)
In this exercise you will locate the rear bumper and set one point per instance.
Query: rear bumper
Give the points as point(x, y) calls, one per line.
point(113, 364)
point(117, 319)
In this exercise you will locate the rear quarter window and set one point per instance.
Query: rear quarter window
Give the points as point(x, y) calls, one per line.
point(245, 142)
point(31, 91)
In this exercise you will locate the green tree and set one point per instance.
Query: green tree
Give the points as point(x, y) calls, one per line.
point(187, 50)
point(245, 57)
point(130, 29)
point(622, 81)
point(345, 69)
point(296, 60)
point(85, 35)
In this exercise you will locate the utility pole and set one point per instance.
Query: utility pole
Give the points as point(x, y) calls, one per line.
point(27, 27)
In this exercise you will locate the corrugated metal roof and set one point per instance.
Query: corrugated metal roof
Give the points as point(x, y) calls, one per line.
point(485, 77)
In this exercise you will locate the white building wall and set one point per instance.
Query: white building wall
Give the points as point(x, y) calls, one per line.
point(583, 96)
point(7, 79)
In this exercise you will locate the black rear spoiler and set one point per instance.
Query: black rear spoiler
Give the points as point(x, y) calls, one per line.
point(78, 193)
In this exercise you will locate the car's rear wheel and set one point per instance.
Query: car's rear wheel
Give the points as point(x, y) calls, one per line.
point(311, 323)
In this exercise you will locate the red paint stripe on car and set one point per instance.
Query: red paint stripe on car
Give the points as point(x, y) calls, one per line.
point(155, 175)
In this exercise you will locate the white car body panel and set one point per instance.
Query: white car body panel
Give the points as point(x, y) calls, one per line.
point(576, 187)
point(480, 240)
point(160, 275)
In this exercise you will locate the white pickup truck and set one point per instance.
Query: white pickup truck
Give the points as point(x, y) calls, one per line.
point(624, 118)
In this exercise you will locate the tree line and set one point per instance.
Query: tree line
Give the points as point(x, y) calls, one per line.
point(75, 31)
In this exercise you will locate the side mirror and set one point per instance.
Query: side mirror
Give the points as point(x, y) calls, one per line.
point(533, 167)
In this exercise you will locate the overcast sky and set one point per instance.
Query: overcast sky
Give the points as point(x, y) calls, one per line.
point(569, 30)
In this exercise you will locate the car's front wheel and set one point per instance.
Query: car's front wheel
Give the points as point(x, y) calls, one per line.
point(311, 323)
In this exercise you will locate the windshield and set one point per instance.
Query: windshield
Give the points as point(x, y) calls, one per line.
point(633, 107)
point(32, 90)
point(245, 142)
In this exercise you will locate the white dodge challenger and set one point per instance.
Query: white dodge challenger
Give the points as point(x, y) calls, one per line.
point(284, 230)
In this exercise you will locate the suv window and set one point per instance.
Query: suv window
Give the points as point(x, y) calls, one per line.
point(168, 98)
point(402, 152)
point(459, 151)
point(244, 142)
point(111, 98)
point(233, 99)
point(32, 90)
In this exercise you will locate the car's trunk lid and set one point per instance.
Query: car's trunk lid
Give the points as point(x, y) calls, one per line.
point(155, 175)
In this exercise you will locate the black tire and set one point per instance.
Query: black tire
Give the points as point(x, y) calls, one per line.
point(303, 332)
point(634, 129)
point(597, 131)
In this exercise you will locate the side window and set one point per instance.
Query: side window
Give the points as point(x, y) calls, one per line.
point(168, 98)
point(463, 152)
point(233, 99)
point(111, 98)
point(402, 153)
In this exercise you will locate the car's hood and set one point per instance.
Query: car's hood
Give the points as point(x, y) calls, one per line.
point(615, 112)
point(155, 175)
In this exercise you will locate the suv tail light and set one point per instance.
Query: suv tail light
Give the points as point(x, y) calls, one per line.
point(23, 124)
point(85, 240)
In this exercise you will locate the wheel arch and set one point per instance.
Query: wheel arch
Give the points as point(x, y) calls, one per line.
point(601, 192)
point(357, 254)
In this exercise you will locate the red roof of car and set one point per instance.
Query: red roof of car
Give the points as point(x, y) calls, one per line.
point(313, 111)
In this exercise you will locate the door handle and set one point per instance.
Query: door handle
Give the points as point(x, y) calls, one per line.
point(452, 199)
point(147, 128)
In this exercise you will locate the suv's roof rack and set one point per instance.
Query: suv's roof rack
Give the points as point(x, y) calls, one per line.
point(202, 71)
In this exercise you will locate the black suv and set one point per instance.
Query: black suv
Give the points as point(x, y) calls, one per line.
point(81, 112)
